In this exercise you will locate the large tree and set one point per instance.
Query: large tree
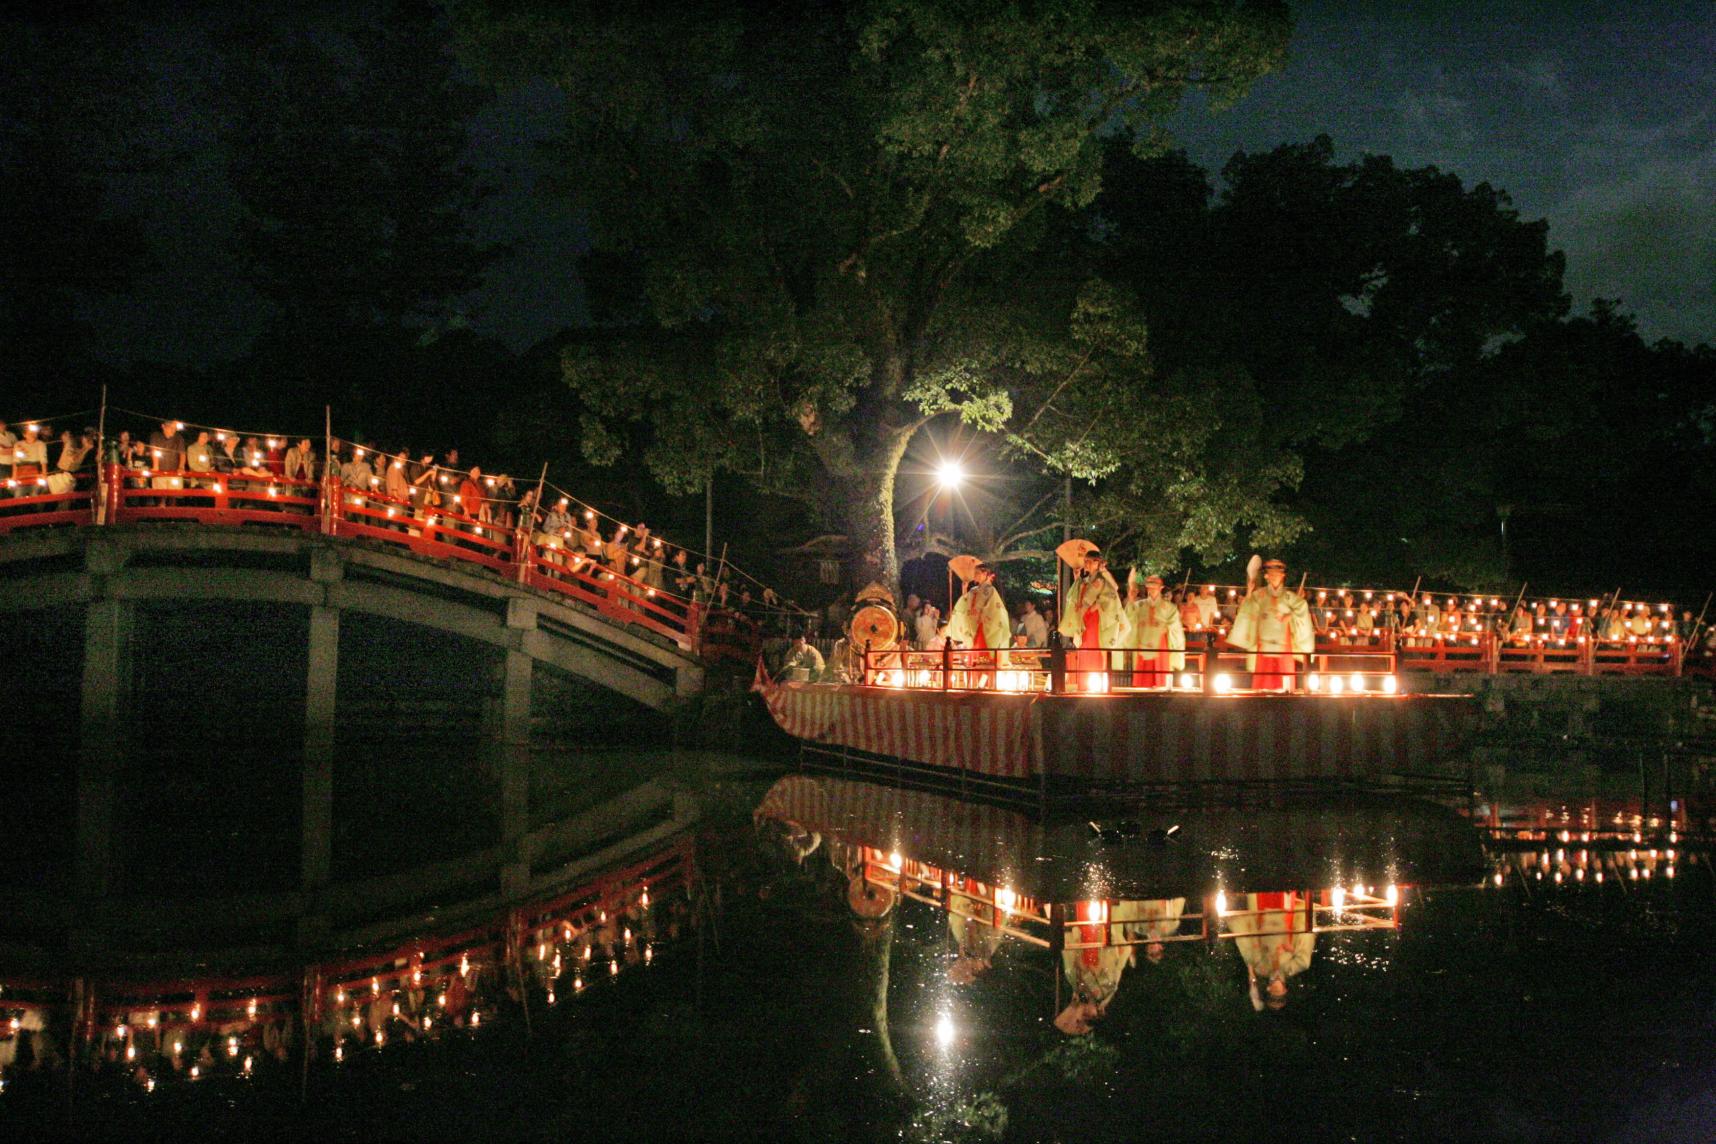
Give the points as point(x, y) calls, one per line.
point(1368, 305)
point(824, 226)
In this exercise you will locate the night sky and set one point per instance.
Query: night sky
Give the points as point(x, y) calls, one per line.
point(1599, 117)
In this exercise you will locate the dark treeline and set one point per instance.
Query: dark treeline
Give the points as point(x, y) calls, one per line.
point(1373, 370)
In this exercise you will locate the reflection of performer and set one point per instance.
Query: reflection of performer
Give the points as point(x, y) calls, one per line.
point(1275, 943)
point(1159, 918)
point(1094, 616)
point(1094, 971)
point(1274, 624)
point(975, 939)
point(1156, 624)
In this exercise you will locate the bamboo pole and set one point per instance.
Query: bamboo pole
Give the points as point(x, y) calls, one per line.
point(101, 461)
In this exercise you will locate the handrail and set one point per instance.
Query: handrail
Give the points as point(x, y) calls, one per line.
point(1210, 665)
point(127, 495)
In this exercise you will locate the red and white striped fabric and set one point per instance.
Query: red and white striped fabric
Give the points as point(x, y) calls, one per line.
point(968, 836)
point(986, 733)
point(1259, 738)
point(1136, 738)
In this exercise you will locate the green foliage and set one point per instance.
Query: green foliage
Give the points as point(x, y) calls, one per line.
point(979, 1116)
point(831, 203)
point(1081, 1061)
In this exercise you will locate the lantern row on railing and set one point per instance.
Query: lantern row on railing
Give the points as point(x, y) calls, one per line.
point(154, 1033)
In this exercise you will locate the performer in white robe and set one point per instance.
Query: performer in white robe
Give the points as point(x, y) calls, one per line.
point(1274, 625)
point(1159, 630)
point(1094, 617)
point(975, 938)
point(1094, 971)
point(1159, 918)
point(979, 619)
point(1276, 943)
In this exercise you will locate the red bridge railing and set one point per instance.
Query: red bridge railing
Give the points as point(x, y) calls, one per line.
point(521, 554)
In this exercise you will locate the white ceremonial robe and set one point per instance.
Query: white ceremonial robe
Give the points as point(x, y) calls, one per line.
point(1274, 623)
point(1275, 940)
point(1157, 626)
point(979, 613)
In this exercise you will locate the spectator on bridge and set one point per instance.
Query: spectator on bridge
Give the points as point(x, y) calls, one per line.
point(300, 462)
point(1033, 629)
point(395, 483)
point(1427, 621)
point(803, 663)
point(74, 456)
point(252, 461)
point(166, 453)
point(226, 457)
point(1190, 616)
point(1364, 624)
point(199, 458)
point(503, 496)
point(274, 456)
point(1643, 623)
point(30, 463)
point(468, 500)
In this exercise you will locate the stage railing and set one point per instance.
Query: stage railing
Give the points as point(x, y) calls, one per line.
point(1092, 924)
point(1216, 670)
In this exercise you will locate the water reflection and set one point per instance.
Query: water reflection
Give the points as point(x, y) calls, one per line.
point(990, 926)
point(428, 989)
point(1266, 879)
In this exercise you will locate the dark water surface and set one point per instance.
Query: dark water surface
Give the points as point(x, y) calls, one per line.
point(1535, 1009)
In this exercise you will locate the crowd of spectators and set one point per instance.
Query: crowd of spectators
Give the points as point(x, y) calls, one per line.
point(34, 463)
point(404, 489)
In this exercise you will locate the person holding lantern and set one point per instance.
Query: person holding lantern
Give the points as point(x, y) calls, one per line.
point(1158, 627)
point(1274, 625)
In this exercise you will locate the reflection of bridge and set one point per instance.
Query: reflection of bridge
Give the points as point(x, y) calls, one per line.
point(175, 678)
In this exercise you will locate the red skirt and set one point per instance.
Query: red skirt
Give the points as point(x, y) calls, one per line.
point(1274, 673)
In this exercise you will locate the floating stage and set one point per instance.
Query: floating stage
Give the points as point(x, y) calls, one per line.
point(1076, 744)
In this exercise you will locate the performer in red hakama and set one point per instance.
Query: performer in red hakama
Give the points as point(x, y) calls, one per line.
point(1158, 630)
point(979, 621)
point(975, 929)
point(1275, 943)
point(1094, 618)
point(1274, 624)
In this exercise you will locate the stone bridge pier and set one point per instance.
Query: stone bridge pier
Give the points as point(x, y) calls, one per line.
point(277, 741)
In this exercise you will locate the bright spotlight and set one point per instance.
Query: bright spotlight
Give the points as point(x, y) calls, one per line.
point(944, 1031)
point(950, 475)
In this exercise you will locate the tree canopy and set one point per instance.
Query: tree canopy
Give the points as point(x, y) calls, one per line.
point(821, 228)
